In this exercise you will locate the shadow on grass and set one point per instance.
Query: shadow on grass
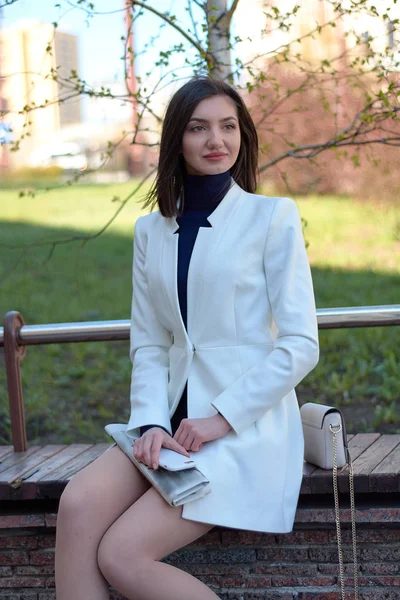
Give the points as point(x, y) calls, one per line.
point(72, 390)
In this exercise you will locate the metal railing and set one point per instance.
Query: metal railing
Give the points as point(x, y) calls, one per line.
point(16, 336)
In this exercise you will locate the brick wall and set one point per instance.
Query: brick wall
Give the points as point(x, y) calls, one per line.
point(238, 565)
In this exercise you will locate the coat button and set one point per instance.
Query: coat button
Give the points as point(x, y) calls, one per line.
point(194, 348)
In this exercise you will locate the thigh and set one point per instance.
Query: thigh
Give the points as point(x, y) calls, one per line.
point(149, 529)
point(102, 491)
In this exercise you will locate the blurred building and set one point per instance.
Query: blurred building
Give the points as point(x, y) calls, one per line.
point(264, 37)
point(31, 55)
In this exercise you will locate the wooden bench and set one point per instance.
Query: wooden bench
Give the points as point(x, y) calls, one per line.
point(42, 472)
point(238, 565)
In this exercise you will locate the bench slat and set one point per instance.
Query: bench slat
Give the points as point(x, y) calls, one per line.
point(12, 475)
point(309, 469)
point(16, 457)
point(4, 450)
point(321, 479)
point(31, 487)
point(371, 458)
point(359, 444)
point(386, 476)
point(52, 485)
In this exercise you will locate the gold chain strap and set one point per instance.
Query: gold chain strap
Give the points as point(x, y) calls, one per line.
point(338, 429)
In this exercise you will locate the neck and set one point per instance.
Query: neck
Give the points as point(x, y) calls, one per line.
point(204, 191)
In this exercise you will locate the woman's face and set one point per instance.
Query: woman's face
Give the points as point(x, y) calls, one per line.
point(211, 140)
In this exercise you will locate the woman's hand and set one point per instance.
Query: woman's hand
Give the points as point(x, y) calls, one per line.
point(193, 433)
point(146, 449)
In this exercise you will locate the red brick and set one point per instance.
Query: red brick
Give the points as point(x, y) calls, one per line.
point(21, 521)
point(50, 519)
point(380, 568)
point(212, 569)
point(387, 594)
point(31, 570)
point(280, 553)
point(281, 581)
point(383, 581)
point(261, 594)
point(304, 537)
point(318, 595)
point(14, 557)
point(379, 552)
point(11, 594)
point(329, 554)
point(22, 582)
point(47, 541)
point(18, 541)
point(259, 582)
point(326, 516)
point(285, 569)
point(42, 557)
point(374, 536)
point(348, 568)
point(249, 538)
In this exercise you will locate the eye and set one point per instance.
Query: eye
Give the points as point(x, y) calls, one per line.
point(196, 128)
point(230, 126)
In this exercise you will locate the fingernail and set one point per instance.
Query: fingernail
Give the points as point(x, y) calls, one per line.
point(154, 466)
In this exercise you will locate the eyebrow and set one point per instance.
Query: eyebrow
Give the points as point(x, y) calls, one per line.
point(206, 120)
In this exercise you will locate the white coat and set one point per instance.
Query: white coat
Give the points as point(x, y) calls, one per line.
point(251, 337)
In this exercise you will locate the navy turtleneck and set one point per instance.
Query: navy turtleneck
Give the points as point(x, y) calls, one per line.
point(201, 195)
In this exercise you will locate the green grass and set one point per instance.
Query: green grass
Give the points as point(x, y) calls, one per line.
point(72, 390)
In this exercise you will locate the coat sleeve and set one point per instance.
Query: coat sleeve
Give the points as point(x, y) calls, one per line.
point(296, 350)
point(150, 342)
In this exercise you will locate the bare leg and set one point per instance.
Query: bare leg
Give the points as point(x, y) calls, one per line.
point(93, 499)
point(131, 549)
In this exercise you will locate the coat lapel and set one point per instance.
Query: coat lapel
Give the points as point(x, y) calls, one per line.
point(204, 248)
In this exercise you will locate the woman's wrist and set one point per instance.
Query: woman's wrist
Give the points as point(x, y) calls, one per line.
point(222, 419)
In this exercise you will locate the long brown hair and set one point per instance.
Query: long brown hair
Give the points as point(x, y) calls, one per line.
point(169, 181)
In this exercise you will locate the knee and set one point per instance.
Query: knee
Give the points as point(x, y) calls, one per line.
point(114, 561)
point(75, 501)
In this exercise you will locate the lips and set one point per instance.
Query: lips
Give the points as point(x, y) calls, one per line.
point(215, 155)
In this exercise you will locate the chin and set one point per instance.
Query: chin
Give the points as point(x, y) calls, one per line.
point(209, 169)
point(215, 169)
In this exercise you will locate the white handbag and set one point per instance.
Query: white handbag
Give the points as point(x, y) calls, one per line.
point(318, 440)
point(325, 445)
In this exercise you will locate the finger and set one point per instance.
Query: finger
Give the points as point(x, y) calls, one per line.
point(177, 433)
point(147, 450)
point(196, 446)
point(136, 449)
point(155, 452)
point(190, 438)
point(173, 445)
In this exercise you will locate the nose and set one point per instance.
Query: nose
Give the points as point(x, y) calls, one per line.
point(215, 138)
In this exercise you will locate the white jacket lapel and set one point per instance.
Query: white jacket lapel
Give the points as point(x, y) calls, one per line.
point(205, 246)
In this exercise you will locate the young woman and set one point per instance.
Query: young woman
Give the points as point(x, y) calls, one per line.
point(223, 328)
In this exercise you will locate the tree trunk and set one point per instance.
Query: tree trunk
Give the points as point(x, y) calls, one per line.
point(218, 20)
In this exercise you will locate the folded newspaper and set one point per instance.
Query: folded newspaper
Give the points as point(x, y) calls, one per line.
point(176, 487)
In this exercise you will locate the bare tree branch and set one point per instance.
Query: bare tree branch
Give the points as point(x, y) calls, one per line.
point(8, 3)
point(194, 23)
point(232, 9)
point(173, 24)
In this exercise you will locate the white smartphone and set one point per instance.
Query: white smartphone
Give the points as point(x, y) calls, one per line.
point(173, 461)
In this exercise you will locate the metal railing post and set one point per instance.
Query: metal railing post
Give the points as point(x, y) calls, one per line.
point(14, 353)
